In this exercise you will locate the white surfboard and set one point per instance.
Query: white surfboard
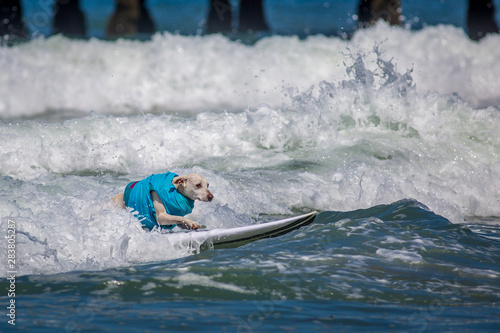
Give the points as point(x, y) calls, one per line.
point(238, 236)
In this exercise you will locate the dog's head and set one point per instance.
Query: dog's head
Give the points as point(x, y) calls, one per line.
point(194, 187)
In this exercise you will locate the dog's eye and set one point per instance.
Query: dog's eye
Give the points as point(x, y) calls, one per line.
point(198, 185)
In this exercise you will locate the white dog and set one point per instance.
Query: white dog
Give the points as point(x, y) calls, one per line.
point(162, 200)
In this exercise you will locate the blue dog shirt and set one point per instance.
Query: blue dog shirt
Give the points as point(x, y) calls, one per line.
point(138, 197)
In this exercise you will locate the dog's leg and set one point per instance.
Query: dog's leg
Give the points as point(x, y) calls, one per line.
point(163, 218)
point(118, 200)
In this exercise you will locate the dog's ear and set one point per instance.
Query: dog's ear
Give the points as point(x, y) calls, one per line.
point(180, 180)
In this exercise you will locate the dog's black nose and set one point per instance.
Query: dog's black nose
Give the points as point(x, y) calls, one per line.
point(210, 197)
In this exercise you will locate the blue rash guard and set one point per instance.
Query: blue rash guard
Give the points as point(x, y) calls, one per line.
point(138, 197)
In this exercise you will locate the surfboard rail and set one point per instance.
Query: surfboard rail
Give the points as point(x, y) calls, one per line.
point(238, 236)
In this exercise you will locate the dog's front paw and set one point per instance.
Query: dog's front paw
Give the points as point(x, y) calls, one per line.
point(189, 224)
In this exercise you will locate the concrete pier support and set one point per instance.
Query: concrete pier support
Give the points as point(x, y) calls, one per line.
point(130, 18)
point(481, 19)
point(219, 16)
point(369, 11)
point(69, 19)
point(252, 17)
point(12, 28)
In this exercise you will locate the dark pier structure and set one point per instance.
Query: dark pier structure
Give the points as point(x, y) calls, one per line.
point(481, 19)
point(131, 18)
point(12, 28)
point(69, 19)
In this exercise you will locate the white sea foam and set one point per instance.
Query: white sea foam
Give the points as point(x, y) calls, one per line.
point(196, 280)
point(320, 124)
point(408, 256)
point(190, 74)
point(478, 272)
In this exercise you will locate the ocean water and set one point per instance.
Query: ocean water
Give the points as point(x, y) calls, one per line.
point(392, 135)
point(283, 16)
